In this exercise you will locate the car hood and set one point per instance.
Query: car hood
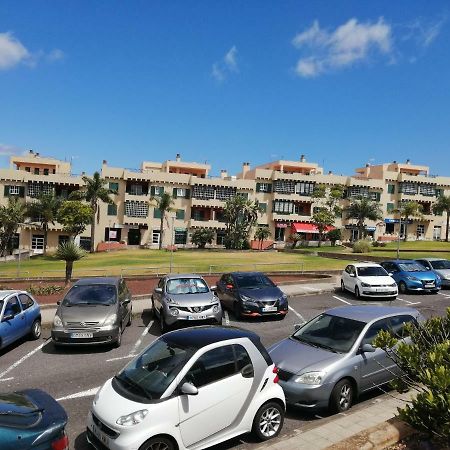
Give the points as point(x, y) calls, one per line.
point(262, 294)
point(427, 275)
point(377, 280)
point(193, 299)
point(86, 313)
point(295, 357)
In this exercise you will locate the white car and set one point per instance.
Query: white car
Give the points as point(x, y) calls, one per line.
point(368, 280)
point(190, 389)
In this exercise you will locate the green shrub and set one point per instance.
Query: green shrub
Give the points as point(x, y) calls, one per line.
point(45, 290)
point(202, 236)
point(361, 246)
point(378, 244)
point(334, 235)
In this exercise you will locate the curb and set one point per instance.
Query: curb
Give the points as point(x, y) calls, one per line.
point(377, 437)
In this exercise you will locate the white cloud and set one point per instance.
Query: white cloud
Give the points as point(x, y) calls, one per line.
point(12, 52)
point(347, 45)
point(424, 32)
point(227, 65)
point(9, 150)
point(56, 55)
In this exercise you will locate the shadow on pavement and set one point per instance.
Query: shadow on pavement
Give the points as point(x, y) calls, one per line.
point(81, 443)
point(51, 349)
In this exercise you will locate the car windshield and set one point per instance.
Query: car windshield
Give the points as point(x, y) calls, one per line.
point(371, 271)
point(150, 374)
point(254, 281)
point(91, 294)
point(412, 267)
point(18, 411)
point(334, 333)
point(442, 264)
point(186, 286)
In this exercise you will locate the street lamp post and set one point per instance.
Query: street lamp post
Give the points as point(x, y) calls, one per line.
point(172, 243)
point(399, 233)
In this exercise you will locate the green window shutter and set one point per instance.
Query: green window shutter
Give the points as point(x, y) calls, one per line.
point(6, 191)
point(263, 207)
point(21, 191)
point(157, 213)
point(188, 193)
point(258, 187)
point(180, 214)
point(378, 196)
point(161, 190)
point(112, 209)
point(269, 188)
point(174, 192)
point(391, 188)
point(114, 187)
point(438, 192)
point(244, 195)
point(152, 191)
point(390, 207)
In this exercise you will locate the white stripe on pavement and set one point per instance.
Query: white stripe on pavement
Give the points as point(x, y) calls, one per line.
point(227, 318)
point(310, 288)
point(444, 295)
point(297, 314)
point(88, 393)
point(341, 300)
point(21, 360)
point(120, 357)
point(7, 379)
point(408, 302)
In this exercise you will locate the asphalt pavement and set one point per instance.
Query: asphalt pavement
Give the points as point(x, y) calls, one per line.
point(73, 375)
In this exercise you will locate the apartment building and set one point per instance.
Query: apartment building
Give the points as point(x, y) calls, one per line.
point(282, 188)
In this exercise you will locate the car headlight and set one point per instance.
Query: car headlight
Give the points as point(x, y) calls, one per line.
point(312, 378)
point(110, 320)
point(244, 298)
point(132, 419)
point(283, 298)
point(393, 285)
point(409, 277)
point(215, 309)
point(174, 311)
point(171, 301)
point(365, 285)
point(57, 322)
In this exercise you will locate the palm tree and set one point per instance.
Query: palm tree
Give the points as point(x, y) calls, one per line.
point(69, 252)
point(164, 204)
point(11, 216)
point(44, 210)
point(443, 205)
point(360, 209)
point(261, 234)
point(93, 192)
point(408, 210)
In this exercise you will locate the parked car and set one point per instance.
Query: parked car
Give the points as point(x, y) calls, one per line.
point(440, 267)
point(184, 298)
point(251, 294)
point(412, 276)
point(330, 360)
point(368, 280)
point(32, 419)
point(94, 311)
point(20, 315)
point(191, 388)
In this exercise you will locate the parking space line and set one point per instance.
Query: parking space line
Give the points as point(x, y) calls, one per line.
point(297, 314)
point(88, 393)
point(444, 295)
point(227, 318)
point(21, 360)
point(342, 300)
point(7, 379)
point(310, 288)
point(408, 302)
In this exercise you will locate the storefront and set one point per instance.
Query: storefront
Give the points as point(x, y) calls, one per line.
point(308, 231)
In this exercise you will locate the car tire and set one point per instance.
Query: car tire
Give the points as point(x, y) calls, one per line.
point(36, 330)
point(130, 318)
point(393, 298)
point(158, 443)
point(118, 342)
point(341, 398)
point(357, 293)
point(343, 286)
point(402, 287)
point(162, 323)
point(268, 421)
point(237, 311)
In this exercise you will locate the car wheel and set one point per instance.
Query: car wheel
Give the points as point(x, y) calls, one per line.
point(402, 287)
point(130, 318)
point(36, 330)
point(237, 311)
point(342, 396)
point(268, 421)
point(162, 323)
point(342, 286)
point(357, 293)
point(158, 443)
point(393, 298)
point(118, 342)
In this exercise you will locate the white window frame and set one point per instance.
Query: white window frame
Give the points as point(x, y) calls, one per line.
point(263, 187)
point(37, 243)
point(14, 190)
point(156, 236)
point(181, 192)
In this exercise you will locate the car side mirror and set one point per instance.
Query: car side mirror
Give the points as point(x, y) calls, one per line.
point(158, 290)
point(353, 275)
point(247, 371)
point(7, 317)
point(58, 302)
point(126, 301)
point(297, 326)
point(390, 274)
point(367, 348)
point(188, 389)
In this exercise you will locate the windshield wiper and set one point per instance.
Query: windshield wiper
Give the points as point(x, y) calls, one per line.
point(134, 385)
point(327, 347)
point(304, 341)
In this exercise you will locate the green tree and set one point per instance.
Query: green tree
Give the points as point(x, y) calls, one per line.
point(322, 219)
point(69, 252)
point(443, 205)
point(44, 211)
point(74, 215)
point(202, 236)
point(240, 216)
point(329, 197)
point(164, 204)
point(361, 209)
point(93, 191)
point(296, 238)
point(408, 210)
point(11, 216)
point(334, 235)
point(425, 368)
point(261, 234)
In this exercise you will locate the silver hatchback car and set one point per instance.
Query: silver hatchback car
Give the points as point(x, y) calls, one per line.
point(182, 298)
point(330, 360)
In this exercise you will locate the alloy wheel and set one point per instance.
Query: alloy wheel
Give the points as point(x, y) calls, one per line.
point(159, 445)
point(269, 422)
point(345, 397)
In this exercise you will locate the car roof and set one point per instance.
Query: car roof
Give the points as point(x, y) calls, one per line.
point(201, 336)
point(97, 280)
point(246, 273)
point(431, 259)
point(365, 264)
point(367, 313)
point(174, 276)
point(4, 293)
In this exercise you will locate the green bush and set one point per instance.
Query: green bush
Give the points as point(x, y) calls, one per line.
point(361, 246)
point(425, 367)
point(202, 236)
point(378, 244)
point(45, 290)
point(334, 235)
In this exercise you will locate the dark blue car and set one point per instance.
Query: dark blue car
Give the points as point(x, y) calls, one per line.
point(412, 276)
point(32, 419)
point(20, 315)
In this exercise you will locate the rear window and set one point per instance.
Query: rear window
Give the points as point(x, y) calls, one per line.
point(263, 351)
point(91, 294)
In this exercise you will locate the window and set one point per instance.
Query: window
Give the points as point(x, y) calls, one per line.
point(408, 188)
point(304, 188)
point(85, 242)
point(45, 171)
point(136, 189)
point(427, 189)
point(283, 207)
point(220, 236)
point(203, 192)
point(179, 193)
point(391, 188)
point(180, 214)
point(156, 236)
point(36, 189)
point(157, 191)
point(398, 323)
point(136, 209)
point(157, 213)
point(263, 207)
point(371, 334)
point(112, 209)
point(390, 207)
point(12, 307)
point(114, 187)
point(36, 170)
point(62, 239)
point(420, 231)
point(263, 187)
point(284, 186)
point(14, 190)
point(27, 169)
point(37, 242)
point(26, 301)
point(180, 237)
point(225, 193)
point(358, 191)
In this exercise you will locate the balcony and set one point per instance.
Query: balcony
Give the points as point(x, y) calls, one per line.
point(291, 217)
point(206, 223)
point(210, 203)
point(127, 220)
point(417, 198)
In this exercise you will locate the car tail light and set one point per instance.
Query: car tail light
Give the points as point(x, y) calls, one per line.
point(276, 378)
point(61, 444)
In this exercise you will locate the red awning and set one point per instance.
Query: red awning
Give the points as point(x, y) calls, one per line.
point(304, 227)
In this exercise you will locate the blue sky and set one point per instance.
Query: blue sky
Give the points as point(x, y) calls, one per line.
point(343, 82)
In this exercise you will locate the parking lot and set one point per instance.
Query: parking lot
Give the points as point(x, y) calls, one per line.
point(73, 375)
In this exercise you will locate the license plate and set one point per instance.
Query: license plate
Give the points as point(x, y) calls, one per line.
point(429, 284)
point(269, 308)
point(202, 317)
point(100, 436)
point(81, 335)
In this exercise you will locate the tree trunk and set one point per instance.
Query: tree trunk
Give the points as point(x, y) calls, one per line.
point(93, 230)
point(69, 267)
point(406, 229)
point(161, 231)
point(320, 240)
point(45, 227)
point(446, 230)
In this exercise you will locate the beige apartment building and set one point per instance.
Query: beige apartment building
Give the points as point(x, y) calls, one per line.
point(282, 188)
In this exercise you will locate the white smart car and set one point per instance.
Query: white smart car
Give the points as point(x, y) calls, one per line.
point(190, 389)
point(368, 280)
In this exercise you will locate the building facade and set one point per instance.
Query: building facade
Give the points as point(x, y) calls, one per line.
point(282, 188)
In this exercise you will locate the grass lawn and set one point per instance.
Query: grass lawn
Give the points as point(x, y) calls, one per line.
point(133, 262)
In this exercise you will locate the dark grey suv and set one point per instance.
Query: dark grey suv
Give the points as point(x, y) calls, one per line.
point(94, 311)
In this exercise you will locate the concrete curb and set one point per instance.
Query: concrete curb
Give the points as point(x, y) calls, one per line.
point(377, 437)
